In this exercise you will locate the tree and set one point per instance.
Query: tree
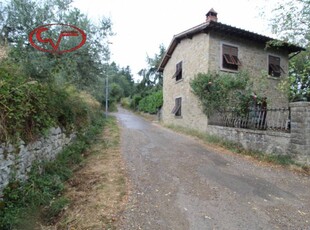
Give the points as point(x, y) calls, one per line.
point(299, 77)
point(121, 84)
point(154, 64)
point(127, 73)
point(82, 68)
point(150, 76)
point(291, 20)
point(148, 94)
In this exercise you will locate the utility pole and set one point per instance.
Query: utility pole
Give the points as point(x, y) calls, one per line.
point(107, 90)
point(106, 96)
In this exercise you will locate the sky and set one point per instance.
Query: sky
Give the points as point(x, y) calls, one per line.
point(141, 26)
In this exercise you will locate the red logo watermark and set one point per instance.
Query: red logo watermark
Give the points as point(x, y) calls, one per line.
point(40, 38)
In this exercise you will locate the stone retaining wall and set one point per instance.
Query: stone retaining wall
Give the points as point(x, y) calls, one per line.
point(17, 160)
point(300, 131)
point(264, 141)
point(296, 143)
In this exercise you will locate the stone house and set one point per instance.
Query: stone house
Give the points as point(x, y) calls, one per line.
point(213, 46)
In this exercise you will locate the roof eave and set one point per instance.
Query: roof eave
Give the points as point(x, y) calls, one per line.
point(216, 26)
point(253, 36)
point(176, 39)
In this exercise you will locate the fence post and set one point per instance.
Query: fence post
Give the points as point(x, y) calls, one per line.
point(300, 131)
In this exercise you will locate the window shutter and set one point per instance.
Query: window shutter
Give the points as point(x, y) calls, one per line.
point(229, 59)
point(274, 66)
point(237, 61)
point(178, 70)
point(176, 110)
point(230, 55)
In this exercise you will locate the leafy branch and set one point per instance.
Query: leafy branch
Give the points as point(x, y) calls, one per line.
point(219, 92)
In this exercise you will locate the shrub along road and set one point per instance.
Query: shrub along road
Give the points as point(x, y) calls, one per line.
point(179, 183)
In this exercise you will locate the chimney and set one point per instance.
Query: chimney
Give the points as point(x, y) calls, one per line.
point(211, 15)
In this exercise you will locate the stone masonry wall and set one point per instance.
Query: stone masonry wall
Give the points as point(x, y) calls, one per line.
point(17, 161)
point(264, 141)
point(254, 59)
point(296, 143)
point(202, 53)
point(193, 54)
point(300, 130)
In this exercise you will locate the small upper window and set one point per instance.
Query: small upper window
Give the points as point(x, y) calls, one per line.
point(274, 68)
point(177, 107)
point(178, 72)
point(230, 58)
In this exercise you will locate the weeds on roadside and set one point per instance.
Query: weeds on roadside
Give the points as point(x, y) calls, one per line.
point(40, 197)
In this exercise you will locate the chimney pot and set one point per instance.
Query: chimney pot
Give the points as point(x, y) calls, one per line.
point(211, 15)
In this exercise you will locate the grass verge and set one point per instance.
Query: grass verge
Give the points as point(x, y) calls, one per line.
point(282, 160)
point(98, 190)
point(25, 204)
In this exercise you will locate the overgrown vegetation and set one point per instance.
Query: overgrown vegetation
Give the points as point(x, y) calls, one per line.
point(82, 68)
point(121, 85)
point(28, 107)
point(39, 90)
point(221, 91)
point(23, 106)
point(87, 68)
point(148, 95)
point(298, 86)
point(151, 103)
point(40, 197)
point(291, 22)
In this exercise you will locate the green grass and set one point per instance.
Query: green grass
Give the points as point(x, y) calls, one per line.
point(284, 160)
point(40, 197)
point(55, 207)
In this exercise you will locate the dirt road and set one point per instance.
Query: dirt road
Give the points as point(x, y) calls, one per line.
point(179, 183)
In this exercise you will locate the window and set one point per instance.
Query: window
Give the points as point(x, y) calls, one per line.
point(230, 58)
point(178, 72)
point(177, 107)
point(274, 68)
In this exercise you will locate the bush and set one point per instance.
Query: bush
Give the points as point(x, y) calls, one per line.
point(218, 92)
point(152, 103)
point(126, 102)
point(135, 101)
point(28, 108)
point(24, 110)
point(70, 108)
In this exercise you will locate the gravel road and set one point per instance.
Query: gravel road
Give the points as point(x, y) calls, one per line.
point(179, 183)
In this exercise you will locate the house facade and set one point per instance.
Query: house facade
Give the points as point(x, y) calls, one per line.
point(216, 47)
